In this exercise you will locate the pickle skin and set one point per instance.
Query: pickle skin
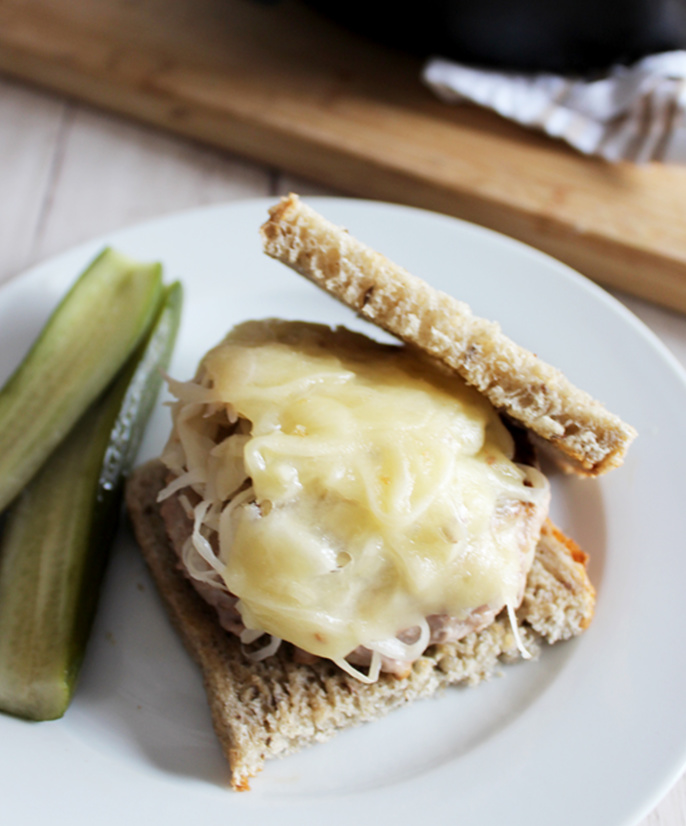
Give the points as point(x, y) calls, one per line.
point(54, 549)
point(85, 342)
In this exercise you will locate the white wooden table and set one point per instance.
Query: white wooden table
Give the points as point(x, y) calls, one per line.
point(69, 173)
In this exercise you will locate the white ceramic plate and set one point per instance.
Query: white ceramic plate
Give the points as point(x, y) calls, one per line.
point(592, 733)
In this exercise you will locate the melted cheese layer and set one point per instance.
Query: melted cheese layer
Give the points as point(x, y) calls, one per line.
point(382, 491)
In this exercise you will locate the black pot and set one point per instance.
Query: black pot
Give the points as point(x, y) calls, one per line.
point(568, 36)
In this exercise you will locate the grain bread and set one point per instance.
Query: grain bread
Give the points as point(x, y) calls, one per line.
point(275, 707)
point(589, 438)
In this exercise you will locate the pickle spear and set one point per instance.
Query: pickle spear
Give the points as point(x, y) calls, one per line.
point(56, 539)
point(84, 344)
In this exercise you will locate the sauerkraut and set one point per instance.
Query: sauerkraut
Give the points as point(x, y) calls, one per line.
point(347, 490)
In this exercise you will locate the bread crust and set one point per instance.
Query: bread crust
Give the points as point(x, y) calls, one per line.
point(272, 708)
point(590, 438)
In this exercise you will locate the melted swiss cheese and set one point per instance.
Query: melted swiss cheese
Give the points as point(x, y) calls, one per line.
point(381, 490)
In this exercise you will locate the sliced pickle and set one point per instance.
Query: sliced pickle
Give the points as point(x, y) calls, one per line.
point(84, 344)
point(56, 539)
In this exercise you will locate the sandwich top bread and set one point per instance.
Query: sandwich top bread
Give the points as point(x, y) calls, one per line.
point(338, 526)
point(538, 396)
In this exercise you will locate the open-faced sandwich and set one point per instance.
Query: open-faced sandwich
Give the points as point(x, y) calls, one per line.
point(339, 527)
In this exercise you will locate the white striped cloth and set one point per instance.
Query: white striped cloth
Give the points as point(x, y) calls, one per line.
point(633, 113)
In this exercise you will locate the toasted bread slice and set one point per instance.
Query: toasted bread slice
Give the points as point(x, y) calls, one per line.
point(538, 396)
point(275, 707)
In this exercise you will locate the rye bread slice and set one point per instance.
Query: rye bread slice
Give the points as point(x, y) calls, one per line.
point(275, 707)
point(589, 438)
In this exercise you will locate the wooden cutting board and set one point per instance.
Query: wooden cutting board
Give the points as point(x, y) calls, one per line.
point(278, 84)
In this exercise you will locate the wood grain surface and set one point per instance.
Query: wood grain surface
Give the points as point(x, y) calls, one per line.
point(279, 85)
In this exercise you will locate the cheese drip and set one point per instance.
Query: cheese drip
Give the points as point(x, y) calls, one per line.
point(375, 489)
